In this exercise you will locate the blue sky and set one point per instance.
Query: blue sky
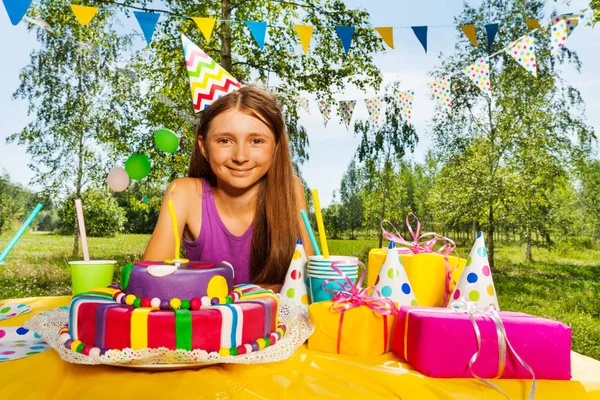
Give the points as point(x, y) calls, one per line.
point(331, 148)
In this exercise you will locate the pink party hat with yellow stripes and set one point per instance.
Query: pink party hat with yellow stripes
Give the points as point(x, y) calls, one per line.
point(208, 80)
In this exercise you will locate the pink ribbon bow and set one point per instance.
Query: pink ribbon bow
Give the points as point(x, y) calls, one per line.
point(421, 246)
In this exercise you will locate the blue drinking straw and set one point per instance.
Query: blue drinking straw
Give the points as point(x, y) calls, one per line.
point(20, 232)
point(311, 235)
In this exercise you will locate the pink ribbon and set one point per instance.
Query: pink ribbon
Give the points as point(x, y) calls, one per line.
point(352, 295)
point(421, 246)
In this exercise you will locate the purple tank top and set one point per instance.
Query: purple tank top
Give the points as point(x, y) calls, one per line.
point(215, 243)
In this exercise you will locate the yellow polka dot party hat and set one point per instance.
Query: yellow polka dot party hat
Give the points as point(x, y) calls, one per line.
point(476, 284)
point(392, 281)
point(294, 286)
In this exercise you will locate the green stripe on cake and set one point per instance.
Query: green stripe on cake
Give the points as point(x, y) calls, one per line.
point(183, 329)
point(94, 294)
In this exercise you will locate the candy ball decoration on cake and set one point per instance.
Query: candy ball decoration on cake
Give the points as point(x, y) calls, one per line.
point(192, 306)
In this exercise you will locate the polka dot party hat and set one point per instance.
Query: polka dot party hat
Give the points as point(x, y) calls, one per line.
point(476, 283)
point(392, 281)
point(523, 51)
point(563, 26)
point(294, 286)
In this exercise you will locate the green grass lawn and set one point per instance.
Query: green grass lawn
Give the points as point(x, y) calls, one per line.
point(562, 284)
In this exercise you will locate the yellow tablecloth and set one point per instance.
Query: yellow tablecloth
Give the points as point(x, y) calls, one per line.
point(307, 374)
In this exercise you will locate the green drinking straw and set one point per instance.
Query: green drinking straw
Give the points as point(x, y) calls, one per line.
point(311, 235)
point(20, 232)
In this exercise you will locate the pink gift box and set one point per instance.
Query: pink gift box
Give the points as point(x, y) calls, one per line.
point(439, 342)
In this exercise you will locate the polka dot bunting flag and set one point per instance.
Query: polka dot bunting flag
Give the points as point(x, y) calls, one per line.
point(523, 51)
point(479, 73)
point(294, 286)
point(13, 310)
point(18, 342)
point(392, 281)
point(303, 103)
point(345, 110)
point(374, 106)
point(440, 91)
point(405, 102)
point(563, 26)
point(476, 283)
point(325, 109)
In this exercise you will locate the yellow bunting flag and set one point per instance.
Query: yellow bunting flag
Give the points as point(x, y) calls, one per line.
point(533, 23)
point(469, 31)
point(305, 34)
point(387, 34)
point(84, 14)
point(206, 26)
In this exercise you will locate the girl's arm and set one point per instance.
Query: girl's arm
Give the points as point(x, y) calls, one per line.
point(301, 204)
point(162, 243)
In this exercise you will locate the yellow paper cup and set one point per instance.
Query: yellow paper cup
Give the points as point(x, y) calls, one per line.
point(88, 275)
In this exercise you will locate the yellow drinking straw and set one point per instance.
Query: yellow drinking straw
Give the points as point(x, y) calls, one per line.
point(176, 260)
point(315, 195)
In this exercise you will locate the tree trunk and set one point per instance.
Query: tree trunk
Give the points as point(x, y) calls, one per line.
point(226, 36)
point(79, 182)
point(490, 244)
point(528, 255)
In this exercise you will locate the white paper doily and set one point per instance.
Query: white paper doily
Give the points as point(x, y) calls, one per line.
point(295, 317)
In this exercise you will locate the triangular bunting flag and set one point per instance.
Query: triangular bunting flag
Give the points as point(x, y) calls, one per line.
point(258, 30)
point(421, 34)
point(479, 73)
point(345, 110)
point(491, 30)
point(147, 22)
point(387, 34)
point(345, 33)
point(523, 51)
point(208, 80)
point(16, 9)
point(374, 108)
point(476, 284)
point(440, 90)
point(294, 286)
point(84, 14)
point(325, 109)
point(469, 31)
point(533, 23)
point(39, 22)
point(561, 30)
point(305, 34)
point(303, 103)
point(206, 26)
point(405, 102)
point(392, 281)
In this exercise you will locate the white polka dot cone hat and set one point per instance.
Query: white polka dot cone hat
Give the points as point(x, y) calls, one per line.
point(294, 286)
point(392, 281)
point(476, 284)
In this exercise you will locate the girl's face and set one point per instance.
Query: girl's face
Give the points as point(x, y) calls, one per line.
point(239, 149)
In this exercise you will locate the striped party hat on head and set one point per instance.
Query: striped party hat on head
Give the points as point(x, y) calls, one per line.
point(476, 284)
point(392, 281)
point(208, 80)
point(294, 286)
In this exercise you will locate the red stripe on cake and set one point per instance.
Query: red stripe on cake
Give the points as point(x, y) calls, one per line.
point(118, 327)
point(161, 329)
point(254, 321)
point(206, 329)
point(86, 322)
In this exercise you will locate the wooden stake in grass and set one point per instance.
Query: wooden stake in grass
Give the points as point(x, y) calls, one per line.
point(82, 235)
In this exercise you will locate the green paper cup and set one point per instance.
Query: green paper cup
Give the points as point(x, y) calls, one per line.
point(88, 275)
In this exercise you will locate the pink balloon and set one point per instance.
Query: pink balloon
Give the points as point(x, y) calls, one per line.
point(118, 180)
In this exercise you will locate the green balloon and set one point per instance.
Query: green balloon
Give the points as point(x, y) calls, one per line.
point(137, 166)
point(166, 140)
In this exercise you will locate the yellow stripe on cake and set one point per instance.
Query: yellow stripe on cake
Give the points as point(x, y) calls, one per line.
point(139, 328)
point(106, 290)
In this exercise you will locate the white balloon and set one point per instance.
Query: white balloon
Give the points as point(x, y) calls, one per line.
point(118, 180)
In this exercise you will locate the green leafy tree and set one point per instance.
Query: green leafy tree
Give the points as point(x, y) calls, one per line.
point(352, 210)
point(14, 201)
point(595, 5)
point(78, 101)
point(380, 151)
point(487, 143)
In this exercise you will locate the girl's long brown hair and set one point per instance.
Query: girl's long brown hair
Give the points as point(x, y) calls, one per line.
point(275, 222)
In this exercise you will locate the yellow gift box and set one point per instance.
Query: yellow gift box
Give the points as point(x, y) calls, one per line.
point(358, 331)
point(426, 273)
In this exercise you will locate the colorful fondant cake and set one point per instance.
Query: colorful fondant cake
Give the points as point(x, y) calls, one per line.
point(193, 306)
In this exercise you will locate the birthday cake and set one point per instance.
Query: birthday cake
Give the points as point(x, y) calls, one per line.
point(188, 307)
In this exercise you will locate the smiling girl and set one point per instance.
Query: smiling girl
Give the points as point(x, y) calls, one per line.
point(241, 201)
